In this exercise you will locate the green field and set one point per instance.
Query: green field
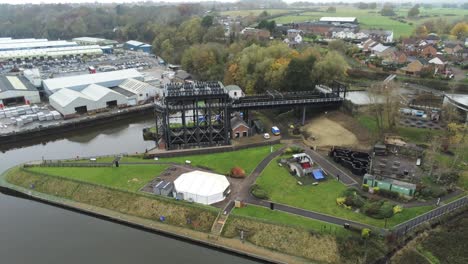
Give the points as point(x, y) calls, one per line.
point(289, 219)
point(223, 162)
point(371, 19)
point(256, 12)
point(283, 188)
point(125, 177)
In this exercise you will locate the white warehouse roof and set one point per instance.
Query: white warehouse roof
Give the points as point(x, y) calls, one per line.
point(97, 92)
point(26, 40)
point(78, 82)
point(338, 19)
point(66, 96)
point(459, 100)
point(34, 45)
point(51, 52)
point(135, 86)
point(202, 187)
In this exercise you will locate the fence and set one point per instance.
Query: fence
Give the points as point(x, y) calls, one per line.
point(70, 164)
point(405, 227)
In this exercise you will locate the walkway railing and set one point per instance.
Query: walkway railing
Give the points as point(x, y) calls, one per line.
point(405, 227)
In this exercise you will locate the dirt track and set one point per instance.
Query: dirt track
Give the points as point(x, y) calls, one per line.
point(336, 129)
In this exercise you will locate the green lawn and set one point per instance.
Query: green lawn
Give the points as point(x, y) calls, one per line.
point(222, 163)
point(283, 188)
point(289, 219)
point(367, 19)
point(126, 177)
point(372, 19)
point(256, 12)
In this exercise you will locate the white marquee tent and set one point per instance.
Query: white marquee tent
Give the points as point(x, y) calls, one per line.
point(202, 187)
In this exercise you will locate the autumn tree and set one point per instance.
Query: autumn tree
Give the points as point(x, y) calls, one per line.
point(205, 61)
point(387, 10)
point(421, 31)
point(332, 67)
point(460, 30)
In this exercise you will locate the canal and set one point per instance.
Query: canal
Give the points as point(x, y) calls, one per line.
point(31, 232)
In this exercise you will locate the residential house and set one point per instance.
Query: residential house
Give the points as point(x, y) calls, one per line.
point(381, 51)
point(292, 33)
point(396, 58)
point(383, 36)
point(368, 44)
point(414, 68)
point(409, 46)
point(452, 48)
point(427, 51)
point(439, 65)
point(256, 33)
point(432, 38)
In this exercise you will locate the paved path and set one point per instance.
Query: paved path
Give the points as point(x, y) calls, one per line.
point(244, 191)
point(306, 213)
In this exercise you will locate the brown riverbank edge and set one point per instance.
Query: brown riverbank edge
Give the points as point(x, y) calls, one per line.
point(235, 246)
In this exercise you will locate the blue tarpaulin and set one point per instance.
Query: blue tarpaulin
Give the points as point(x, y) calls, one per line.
point(318, 175)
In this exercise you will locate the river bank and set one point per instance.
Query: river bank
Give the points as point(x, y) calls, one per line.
point(194, 236)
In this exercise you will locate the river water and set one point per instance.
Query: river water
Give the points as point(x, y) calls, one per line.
point(31, 232)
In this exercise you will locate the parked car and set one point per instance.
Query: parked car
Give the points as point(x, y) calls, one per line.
point(275, 131)
point(266, 136)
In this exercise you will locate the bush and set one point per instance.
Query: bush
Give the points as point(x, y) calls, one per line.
point(340, 201)
point(397, 209)
point(293, 150)
point(365, 187)
point(354, 200)
point(365, 233)
point(258, 192)
point(237, 172)
point(378, 209)
point(389, 194)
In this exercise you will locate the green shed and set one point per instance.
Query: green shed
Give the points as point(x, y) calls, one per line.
point(403, 188)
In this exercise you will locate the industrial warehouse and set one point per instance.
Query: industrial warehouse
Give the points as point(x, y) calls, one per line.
point(42, 49)
point(17, 90)
point(97, 92)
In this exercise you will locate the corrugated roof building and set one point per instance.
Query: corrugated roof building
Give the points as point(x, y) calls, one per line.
point(93, 98)
point(137, 46)
point(79, 82)
point(17, 90)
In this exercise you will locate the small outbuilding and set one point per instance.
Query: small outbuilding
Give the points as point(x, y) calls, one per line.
point(163, 188)
point(239, 127)
point(202, 187)
point(234, 91)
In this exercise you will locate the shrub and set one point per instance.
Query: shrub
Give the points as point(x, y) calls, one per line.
point(389, 194)
point(237, 172)
point(340, 201)
point(354, 200)
point(365, 233)
point(258, 192)
point(378, 209)
point(385, 211)
point(365, 187)
point(293, 150)
point(397, 209)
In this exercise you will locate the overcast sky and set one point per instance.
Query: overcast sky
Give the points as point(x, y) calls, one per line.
point(99, 1)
